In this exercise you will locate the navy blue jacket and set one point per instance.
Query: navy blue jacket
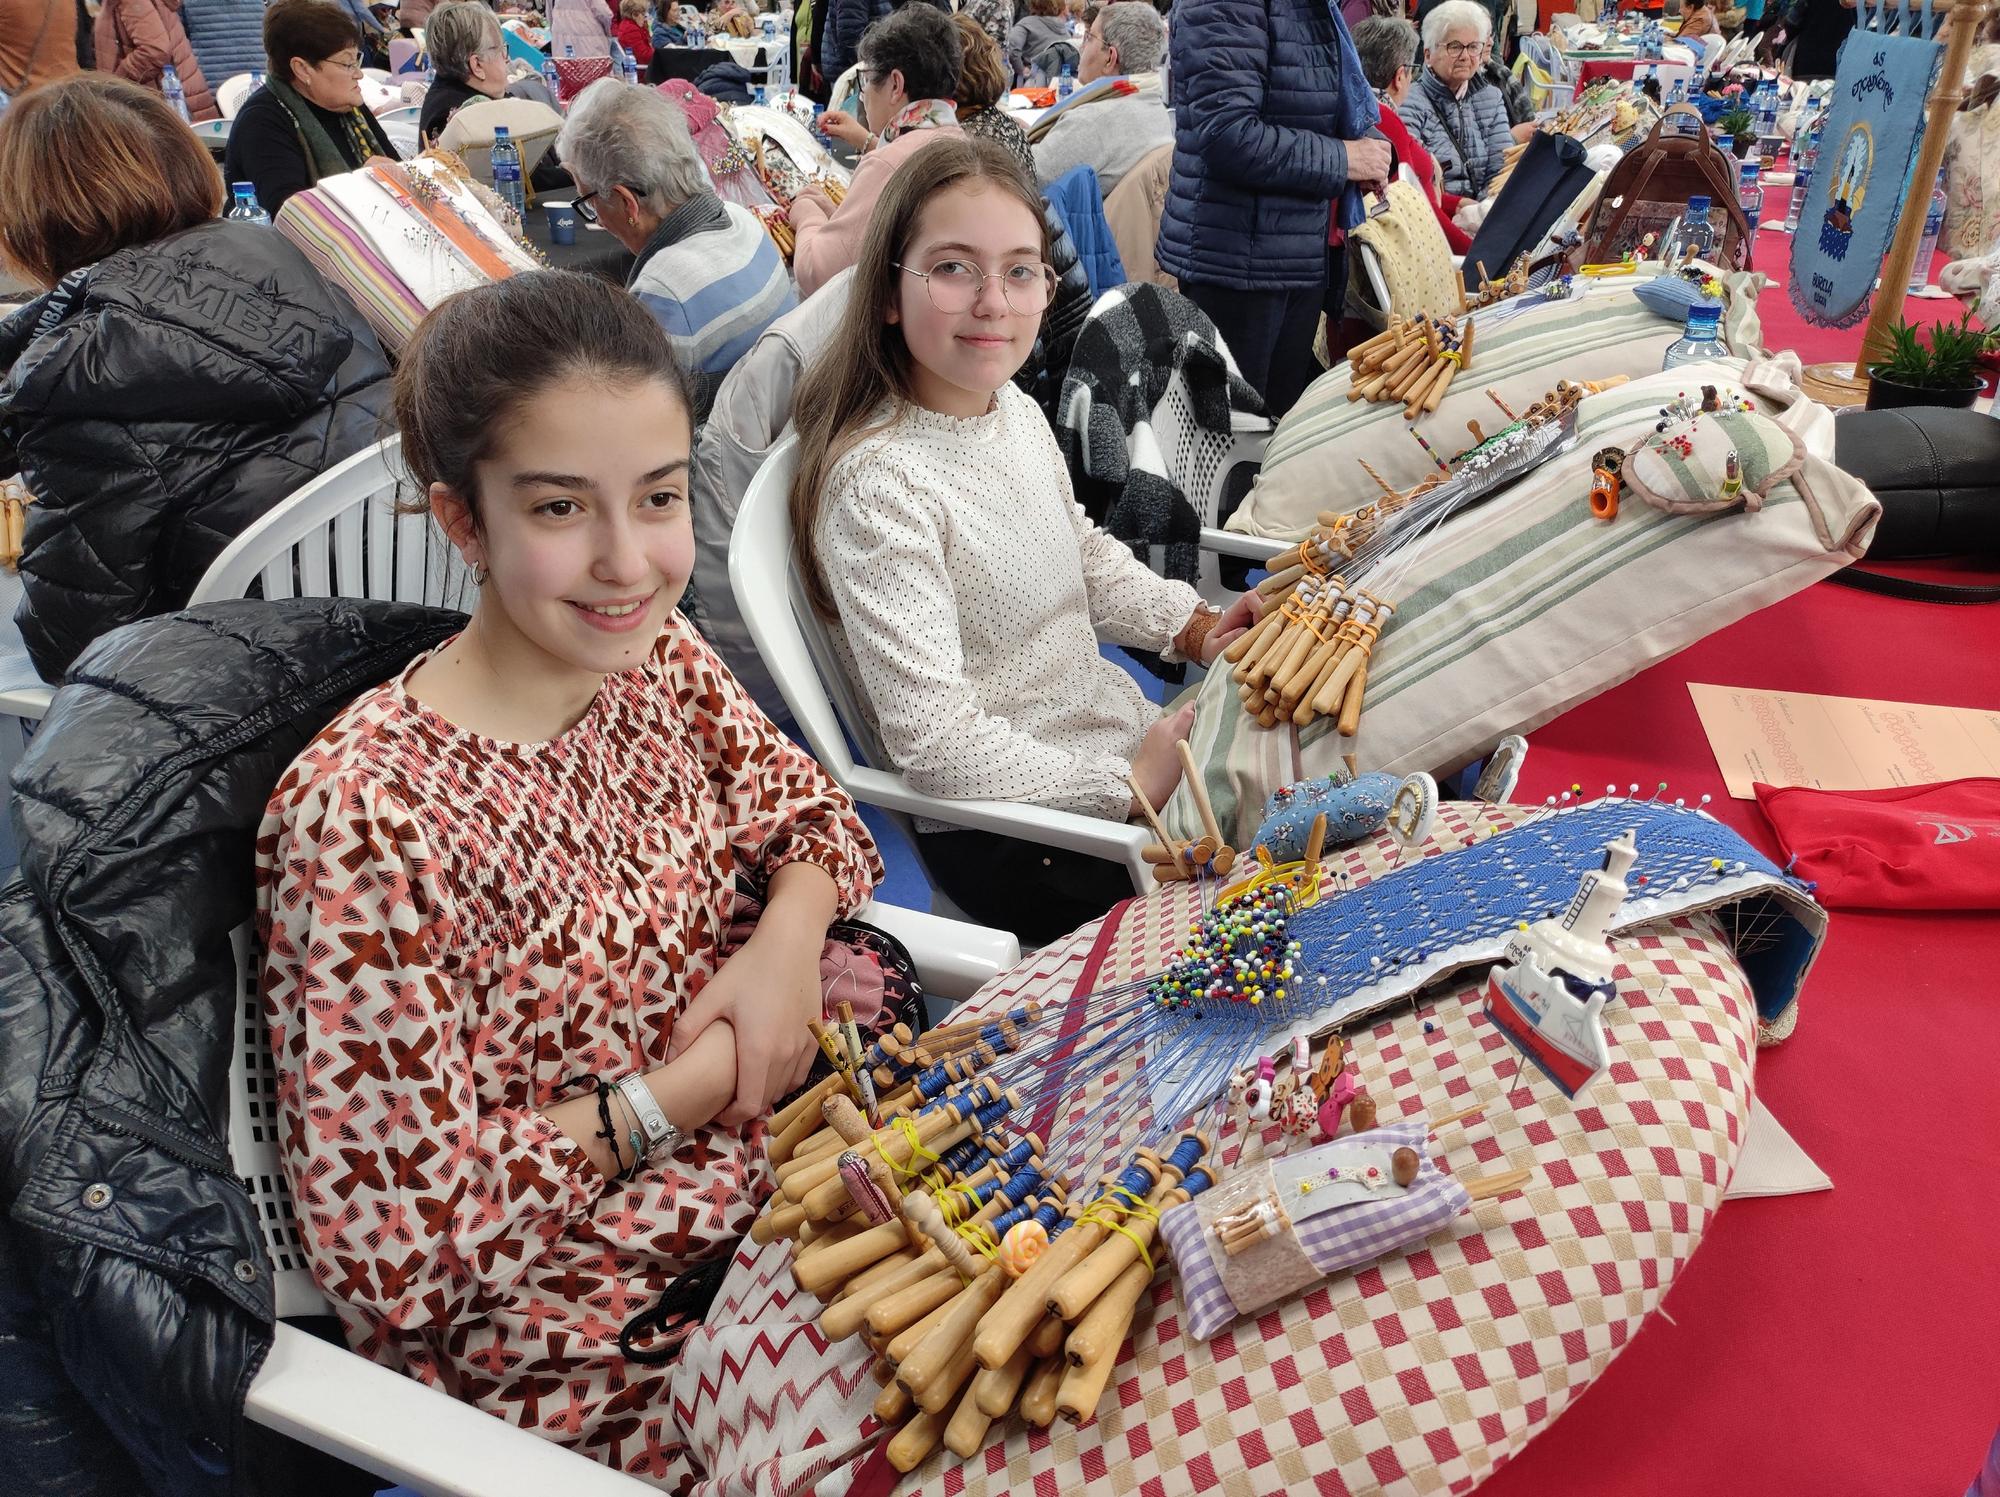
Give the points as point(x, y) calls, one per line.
point(840, 42)
point(1258, 152)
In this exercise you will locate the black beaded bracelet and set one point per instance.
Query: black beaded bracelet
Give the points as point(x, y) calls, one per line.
point(621, 1171)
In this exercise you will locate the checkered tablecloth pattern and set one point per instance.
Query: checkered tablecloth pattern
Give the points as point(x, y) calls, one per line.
point(1416, 1374)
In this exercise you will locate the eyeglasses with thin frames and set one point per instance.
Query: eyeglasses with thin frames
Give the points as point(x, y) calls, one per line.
point(1460, 49)
point(583, 207)
point(954, 285)
point(352, 65)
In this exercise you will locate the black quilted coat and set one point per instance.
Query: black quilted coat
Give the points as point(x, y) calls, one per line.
point(135, 1294)
point(156, 403)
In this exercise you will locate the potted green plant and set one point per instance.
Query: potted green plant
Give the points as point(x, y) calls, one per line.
point(1945, 373)
point(1742, 127)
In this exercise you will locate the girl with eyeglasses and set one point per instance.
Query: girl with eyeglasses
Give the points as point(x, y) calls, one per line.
point(935, 530)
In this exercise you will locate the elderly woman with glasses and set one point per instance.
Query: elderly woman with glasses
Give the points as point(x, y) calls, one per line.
point(1459, 116)
point(705, 268)
point(470, 55)
point(910, 63)
point(307, 121)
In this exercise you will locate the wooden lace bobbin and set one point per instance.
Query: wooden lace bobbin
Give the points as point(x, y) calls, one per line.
point(824, 1267)
point(1221, 856)
point(1351, 707)
point(1464, 1114)
point(781, 1221)
point(969, 1426)
point(940, 1350)
point(1047, 1338)
point(913, 1444)
point(1257, 674)
point(893, 1404)
point(1153, 820)
point(1077, 1289)
point(799, 1119)
point(1312, 666)
point(994, 1389)
point(1504, 1182)
point(833, 1229)
point(911, 1336)
point(1093, 1345)
point(1326, 700)
point(850, 1313)
point(1022, 1307)
point(823, 1192)
point(1245, 642)
point(1038, 1393)
point(1330, 663)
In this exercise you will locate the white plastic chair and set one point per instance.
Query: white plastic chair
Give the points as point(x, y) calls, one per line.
point(531, 125)
point(341, 537)
point(230, 96)
point(1201, 463)
point(403, 1431)
point(796, 650)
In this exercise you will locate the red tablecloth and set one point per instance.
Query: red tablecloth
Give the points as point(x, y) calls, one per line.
point(1838, 1343)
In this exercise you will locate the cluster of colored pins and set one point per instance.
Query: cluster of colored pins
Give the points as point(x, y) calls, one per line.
point(1238, 952)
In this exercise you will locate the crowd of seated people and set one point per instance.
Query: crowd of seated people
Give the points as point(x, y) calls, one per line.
point(582, 445)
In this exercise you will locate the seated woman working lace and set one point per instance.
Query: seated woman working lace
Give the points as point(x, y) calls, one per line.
point(520, 1075)
point(937, 529)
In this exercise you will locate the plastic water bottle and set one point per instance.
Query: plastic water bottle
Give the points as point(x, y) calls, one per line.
point(1679, 93)
point(507, 172)
point(170, 85)
point(1725, 142)
point(243, 205)
point(1703, 339)
point(1690, 235)
point(1750, 193)
point(1920, 268)
point(1066, 82)
point(552, 82)
point(621, 64)
point(1802, 171)
point(256, 81)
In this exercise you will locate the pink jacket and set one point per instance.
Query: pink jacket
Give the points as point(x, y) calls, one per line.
point(137, 38)
point(830, 242)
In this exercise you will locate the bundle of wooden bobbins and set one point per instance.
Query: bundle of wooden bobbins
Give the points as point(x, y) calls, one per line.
point(1308, 657)
point(1413, 361)
point(979, 1282)
point(1174, 860)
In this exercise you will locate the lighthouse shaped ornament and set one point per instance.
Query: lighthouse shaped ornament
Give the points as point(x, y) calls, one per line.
point(1547, 996)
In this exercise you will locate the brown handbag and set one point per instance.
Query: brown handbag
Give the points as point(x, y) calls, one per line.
point(1650, 188)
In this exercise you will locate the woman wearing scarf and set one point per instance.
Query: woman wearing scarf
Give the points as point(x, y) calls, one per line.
point(307, 121)
point(910, 63)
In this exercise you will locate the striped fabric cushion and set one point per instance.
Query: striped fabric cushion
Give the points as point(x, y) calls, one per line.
point(1524, 606)
point(1520, 350)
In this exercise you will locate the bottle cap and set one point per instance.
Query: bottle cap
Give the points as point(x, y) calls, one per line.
point(499, 133)
point(1698, 205)
point(242, 189)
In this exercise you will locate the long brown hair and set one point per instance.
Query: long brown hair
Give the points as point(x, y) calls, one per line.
point(866, 362)
point(92, 164)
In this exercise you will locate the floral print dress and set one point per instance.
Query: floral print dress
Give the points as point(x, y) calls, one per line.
point(455, 927)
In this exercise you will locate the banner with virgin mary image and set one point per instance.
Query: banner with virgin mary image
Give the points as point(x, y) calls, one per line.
point(1887, 68)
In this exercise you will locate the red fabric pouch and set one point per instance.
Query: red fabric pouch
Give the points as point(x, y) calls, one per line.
point(1914, 847)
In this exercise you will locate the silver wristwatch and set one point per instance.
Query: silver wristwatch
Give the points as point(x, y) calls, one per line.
point(661, 1136)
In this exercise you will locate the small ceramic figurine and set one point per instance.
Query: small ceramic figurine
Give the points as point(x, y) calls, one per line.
point(1732, 476)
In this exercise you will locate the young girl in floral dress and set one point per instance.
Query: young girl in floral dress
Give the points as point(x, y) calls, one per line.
point(521, 1079)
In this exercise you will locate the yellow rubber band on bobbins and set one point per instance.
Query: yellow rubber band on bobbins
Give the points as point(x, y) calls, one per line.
point(1453, 356)
point(979, 1237)
point(907, 1126)
point(1100, 1211)
point(957, 1202)
point(1303, 878)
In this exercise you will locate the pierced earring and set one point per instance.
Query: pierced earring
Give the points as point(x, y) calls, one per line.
point(478, 573)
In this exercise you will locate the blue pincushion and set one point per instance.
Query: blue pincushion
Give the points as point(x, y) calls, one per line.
point(1353, 809)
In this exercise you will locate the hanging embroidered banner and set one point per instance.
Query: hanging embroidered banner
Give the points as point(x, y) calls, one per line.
point(1887, 67)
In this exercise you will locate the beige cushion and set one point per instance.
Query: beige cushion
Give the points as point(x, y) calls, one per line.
point(1310, 464)
point(1522, 606)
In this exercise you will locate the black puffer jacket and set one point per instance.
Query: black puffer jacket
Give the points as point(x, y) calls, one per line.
point(134, 1287)
point(156, 403)
point(1042, 375)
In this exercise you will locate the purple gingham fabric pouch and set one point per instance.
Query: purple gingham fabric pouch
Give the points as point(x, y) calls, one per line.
point(1332, 1241)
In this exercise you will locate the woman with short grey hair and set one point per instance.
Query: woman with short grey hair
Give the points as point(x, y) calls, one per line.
point(470, 56)
point(1459, 116)
point(705, 269)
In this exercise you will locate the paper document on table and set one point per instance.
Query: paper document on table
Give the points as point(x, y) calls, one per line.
point(1841, 743)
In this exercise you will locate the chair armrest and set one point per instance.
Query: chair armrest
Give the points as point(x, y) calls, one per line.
point(334, 1400)
point(29, 702)
point(1114, 841)
point(955, 958)
point(1250, 547)
point(1244, 421)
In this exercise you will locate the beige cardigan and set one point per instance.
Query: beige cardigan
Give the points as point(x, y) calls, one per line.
point(830, 242)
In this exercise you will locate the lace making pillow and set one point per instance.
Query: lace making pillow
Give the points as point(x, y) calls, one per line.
point(1713, 461)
